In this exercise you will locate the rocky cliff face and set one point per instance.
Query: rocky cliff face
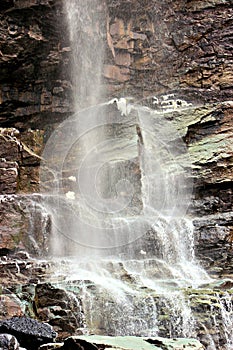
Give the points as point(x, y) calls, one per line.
point(181, 48)
point(184, 47)
point(174, 45)
point(152, 48)
point(33, 83)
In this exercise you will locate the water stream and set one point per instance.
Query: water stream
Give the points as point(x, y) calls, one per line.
point(117, 191)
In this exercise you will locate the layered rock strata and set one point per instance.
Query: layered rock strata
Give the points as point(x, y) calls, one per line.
point(152, 48)
point(177, 49)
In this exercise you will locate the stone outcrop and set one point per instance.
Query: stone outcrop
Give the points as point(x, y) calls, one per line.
point(123, 343)
point(20, 159)
point(168, 45)
point(152, 48)
point(24, 225)
point(208, 133)
point(33, 62)
point(59, 308)
point(30, 333)
point(29, 287)
point(8, 342)
point(181, 49)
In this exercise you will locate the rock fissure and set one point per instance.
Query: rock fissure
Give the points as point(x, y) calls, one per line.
point(153, 49)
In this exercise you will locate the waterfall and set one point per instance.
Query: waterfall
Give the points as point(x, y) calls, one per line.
point(227, 318)
point(117, 189)
point(85, 22)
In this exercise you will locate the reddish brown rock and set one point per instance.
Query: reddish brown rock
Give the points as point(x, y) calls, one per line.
point(10, 306)
point(20, 159)
point(61, 309)
point(123, 59)
point(116, 73)
point(152, 48)
point(8, 176)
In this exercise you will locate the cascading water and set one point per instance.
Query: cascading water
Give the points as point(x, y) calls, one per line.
point(85, 20)
point(117, 193)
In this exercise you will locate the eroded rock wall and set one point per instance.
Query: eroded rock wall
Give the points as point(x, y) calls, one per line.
point(152, 48)
point(174, 45)
point(33, 84)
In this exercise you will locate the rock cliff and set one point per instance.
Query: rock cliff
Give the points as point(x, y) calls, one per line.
point(181, 49)
point(152, 48)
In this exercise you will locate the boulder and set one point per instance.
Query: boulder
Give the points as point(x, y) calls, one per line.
point(51, 346)
point(8, 342)
point(10, 306)
point(29, 332)
point(60, 308)
point(20, 269)
point(129, 343)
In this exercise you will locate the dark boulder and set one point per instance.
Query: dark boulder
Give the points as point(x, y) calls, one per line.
point(30, 333)
point(74, 343)
point(96, 342)
point(60, 308)
point(8, 342)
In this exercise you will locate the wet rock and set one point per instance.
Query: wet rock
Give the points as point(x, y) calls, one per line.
point(30, 333)
point(213, 241)
point(30, 3)
point(60, 308)
point(123, 59)
point(182, 46)
point(74, 343)
point(19, 160)
point(8, 176)
point(20, 269)
point(10, 306)
point(121, 343)
point(24, 224)
point(8, 342)
point(207, 131)
point(162, 48)
point(64, 310)
point(174, 46)
point(51, 346)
